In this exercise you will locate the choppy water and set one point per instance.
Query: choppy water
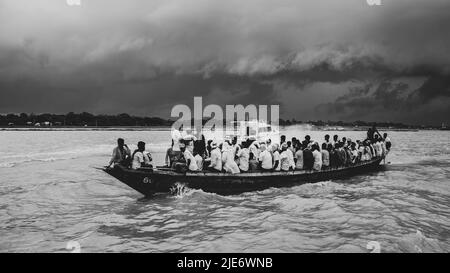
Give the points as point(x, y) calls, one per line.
point(50, 195)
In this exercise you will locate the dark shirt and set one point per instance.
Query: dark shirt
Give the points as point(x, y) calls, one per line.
point(308, 159)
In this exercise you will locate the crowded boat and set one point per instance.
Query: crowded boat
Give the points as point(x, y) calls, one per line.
point(189, 154)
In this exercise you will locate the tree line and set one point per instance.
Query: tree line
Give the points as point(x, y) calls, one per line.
point(88, 119)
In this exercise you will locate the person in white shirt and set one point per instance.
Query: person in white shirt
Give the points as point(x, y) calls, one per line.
point(317, 158)
point(325, 156)
point(276, 157)
point(216, 158)
point(244, 155)
point(290, 155)
point(176, 137)
point(284, 158)
point(229, 165)
point(140, 158)
point(265, 158)
point(191, 163)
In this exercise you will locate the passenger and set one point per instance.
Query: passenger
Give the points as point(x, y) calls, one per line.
point(317, 155)
point(121, 154)
point(254, 148)
point(140, 158)
point(176, 137)
point(172, 156)
point(372, 132)
point(355, 154)
point(342, 154)
point(265, 159)
point(244, 157)
point(325, 156)
point(334, 156)
point(229, 165)
point(290, 153)
point(269, 145)
point(335, 141)
point(293, 146)
point(327, 140)
point(299, 157)
point(284, 158)
point(252, 163)
point(216, 159)
point(307, 141)
point(209, 148)
point(198, 150)
point(282, 139)
point(276, 158)
point(308, 159)
point(191, 162)
point(387, 142)
point(349, 158)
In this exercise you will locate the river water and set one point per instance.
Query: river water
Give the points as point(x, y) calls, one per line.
point(51, 194)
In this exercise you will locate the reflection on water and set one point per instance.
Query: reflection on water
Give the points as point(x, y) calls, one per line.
point(51, 194)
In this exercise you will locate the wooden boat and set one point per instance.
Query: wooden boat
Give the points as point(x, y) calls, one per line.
point(149, 181)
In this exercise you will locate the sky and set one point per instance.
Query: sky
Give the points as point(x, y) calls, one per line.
point(317, 59)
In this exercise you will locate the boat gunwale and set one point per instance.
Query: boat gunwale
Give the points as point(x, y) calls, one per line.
point(250, 174)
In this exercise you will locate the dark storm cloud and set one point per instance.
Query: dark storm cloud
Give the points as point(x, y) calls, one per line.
point(143, 57)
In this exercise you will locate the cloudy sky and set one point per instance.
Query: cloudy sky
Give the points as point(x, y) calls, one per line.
point(317, 59)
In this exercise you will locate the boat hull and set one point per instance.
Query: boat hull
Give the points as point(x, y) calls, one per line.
point(151, 181)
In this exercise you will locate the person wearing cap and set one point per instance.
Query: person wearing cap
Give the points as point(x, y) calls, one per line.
point(140, 158)
point(265, 159)
point(216, 158)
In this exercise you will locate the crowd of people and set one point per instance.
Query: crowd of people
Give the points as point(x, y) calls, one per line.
point(188, 153)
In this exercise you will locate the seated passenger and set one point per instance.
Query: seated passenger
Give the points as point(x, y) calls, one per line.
point(216, 159)
point(140, 158)
point(317, 155)
point(325, 156)
point(265, 159)
point(191, 163)
point(243, 155)
point(276, 158)
point(252, 163)
point(290, 153)
point(121, 154)
point(229, 165)
point(308, 159)
point(284, 158)
point(299, 157)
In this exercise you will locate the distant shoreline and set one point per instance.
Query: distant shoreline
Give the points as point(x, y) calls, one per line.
point(167, 128)
point(88, 128)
